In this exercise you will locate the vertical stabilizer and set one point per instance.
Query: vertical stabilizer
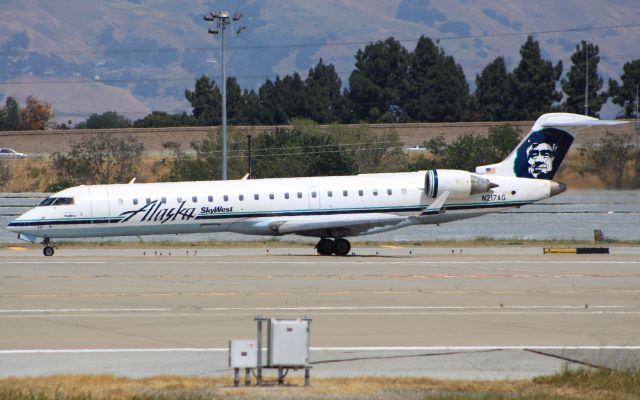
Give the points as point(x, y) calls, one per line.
point(542, 150)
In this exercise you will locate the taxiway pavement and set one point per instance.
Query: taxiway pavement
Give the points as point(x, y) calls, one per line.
point(482, 312)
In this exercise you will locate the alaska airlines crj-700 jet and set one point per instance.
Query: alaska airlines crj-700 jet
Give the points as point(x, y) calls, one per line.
point(330, 208)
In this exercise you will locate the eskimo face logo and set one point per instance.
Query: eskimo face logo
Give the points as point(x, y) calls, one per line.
point(540, 158)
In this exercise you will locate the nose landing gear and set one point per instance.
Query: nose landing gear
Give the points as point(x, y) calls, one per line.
point(49, 247)
point(339, 247)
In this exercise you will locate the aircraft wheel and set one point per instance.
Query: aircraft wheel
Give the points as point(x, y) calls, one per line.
point(48, 251)
point(325, 247)
point(341, 247)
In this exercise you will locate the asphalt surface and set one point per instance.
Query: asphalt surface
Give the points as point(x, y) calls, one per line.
point(473, 313)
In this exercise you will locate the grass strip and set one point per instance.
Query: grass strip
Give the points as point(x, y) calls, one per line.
point(582, 383)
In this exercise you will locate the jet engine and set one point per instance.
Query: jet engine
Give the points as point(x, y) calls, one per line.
point(460, 184)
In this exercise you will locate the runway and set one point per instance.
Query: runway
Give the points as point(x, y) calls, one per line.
point(489, 313)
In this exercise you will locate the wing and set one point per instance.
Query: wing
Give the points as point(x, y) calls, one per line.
point(339, 225)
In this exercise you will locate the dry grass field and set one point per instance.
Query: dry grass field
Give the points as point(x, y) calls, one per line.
point(35, 174)
point(581, 384)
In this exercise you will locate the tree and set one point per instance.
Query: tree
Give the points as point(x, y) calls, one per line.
point(369, 151)
point(574, 85)
point(37, 115)
point(11, 112)
point(625, 95)
point(274, 109)
point(202, 163)
point(609, 159)
point(437, 89)
point(206, 102)
point(303, 151)
point(469, 151)
point(380, 76)
point(161, 119)
point(493, 92)
point(323, 92)
point(100, 159)
point(186, 167)
point(106, 120)
point(534, 83)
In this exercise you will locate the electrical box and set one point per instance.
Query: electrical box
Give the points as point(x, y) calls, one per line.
point(243, 354)
point(288, 342)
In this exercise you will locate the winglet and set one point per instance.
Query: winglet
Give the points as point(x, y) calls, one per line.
point(437, 206)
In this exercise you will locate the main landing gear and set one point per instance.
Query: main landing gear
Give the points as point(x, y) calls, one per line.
point(49, 247)
point(339, 247)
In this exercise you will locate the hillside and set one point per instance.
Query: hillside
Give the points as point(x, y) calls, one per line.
point(137, 55)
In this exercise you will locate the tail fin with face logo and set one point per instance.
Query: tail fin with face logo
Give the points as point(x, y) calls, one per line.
point(541, 151)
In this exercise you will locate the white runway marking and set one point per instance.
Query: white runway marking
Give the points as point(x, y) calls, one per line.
point(368, 348)
point(53, 262)
point(387, 262)
point(58, 310)
point(314, 308)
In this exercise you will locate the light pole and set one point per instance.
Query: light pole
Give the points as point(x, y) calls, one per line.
point(221, 21)
point(586, 79)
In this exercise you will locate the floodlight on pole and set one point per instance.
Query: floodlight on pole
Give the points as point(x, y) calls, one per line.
point(221, 21)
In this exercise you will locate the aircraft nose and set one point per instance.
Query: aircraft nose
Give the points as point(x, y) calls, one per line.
point(557, 188)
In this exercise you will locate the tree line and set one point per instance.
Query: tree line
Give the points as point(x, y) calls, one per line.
point(391, 84)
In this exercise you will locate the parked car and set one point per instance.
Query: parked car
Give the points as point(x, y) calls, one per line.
point(418, 148)
point(11, 153)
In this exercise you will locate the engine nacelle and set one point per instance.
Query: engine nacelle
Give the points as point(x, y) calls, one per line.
point(460, 184)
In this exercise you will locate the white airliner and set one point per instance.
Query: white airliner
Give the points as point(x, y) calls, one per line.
point(330, 208)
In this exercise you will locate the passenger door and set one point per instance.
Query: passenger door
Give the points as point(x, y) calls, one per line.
point(100, 210)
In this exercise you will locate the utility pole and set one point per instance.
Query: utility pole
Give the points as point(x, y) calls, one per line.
point(586, 79)
point(221, 21)
point(637, 127)
point(249, 145)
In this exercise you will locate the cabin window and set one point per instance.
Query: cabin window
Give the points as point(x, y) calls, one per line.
point(256, 196)
point(299, 195)
point(375, 192)
point(360, 192)
point(389, 192)
point(120, 202)
point(225, 197)
point(135, 202)
point(404, 192)
point(286, 195)
point(194, 199)
point(345, 193)
point(329, 193)
point(163, 200)
point(210, 198)
point(271, 196)
point(148, 200)
point(241, 197)
point(314, 194)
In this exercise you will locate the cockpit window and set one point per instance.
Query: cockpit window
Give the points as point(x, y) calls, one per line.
point(47, 202)
point(63, 201)
point(56, 201)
